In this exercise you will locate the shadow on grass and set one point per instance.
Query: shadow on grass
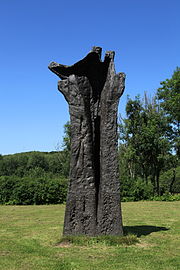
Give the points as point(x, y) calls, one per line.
point(143, 230)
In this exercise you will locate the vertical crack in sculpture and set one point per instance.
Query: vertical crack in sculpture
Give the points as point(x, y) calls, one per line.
point(92, 90)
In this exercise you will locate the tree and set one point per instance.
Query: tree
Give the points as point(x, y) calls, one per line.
point(144, 134)
point(8, 165)
point(169, 97)
point(67, 137)
point(37, 160)
point(63, 156)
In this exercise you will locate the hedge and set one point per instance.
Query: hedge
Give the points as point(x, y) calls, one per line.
point(27, 191)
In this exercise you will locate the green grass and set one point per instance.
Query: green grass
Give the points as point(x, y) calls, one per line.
point(30, 240)
point(108, 240)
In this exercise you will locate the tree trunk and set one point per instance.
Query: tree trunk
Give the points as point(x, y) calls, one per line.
point(92, 90)
point(157, 182)
point(173, 181)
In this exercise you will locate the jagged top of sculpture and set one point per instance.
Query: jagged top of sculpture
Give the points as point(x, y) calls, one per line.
point(90, 66)
point(83, 67)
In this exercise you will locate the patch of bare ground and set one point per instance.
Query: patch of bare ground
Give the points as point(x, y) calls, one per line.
point(144, 245)
point(5, 253)
point(64, 244)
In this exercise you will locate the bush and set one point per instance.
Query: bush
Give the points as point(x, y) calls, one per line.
point(142, 191)
point(167, 197)
point(25, 191)
point(7, 184)
point(132, 190)
point(52, 192)
point(166, 179)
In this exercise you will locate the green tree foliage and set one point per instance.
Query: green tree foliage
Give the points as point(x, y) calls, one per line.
point(8, 165)
point(170, 180)
point(37, 160)
point(67, 137)
point(146, 146)
point(65, 156)
point(169, 97)
point(33, 164)
point(36, 177)
point(33, 178)
point(150, 141)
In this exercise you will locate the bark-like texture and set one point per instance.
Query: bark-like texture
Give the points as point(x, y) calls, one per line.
point(92, 90)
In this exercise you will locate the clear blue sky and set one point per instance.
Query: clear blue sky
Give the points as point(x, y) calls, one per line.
point(145, 35)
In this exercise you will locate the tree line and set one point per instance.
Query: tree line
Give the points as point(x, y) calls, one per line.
point(149, 147)
point(149, 150)
point(34, 178)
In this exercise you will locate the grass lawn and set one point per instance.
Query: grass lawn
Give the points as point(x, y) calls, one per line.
point(29, 237)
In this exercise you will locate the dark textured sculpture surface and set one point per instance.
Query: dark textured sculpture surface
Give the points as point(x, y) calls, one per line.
point(92, 90)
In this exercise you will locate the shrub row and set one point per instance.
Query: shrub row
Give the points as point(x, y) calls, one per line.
point(27, 191)
point(139, 190)
point(166, 197)
point(135, 190)
point(46, 190)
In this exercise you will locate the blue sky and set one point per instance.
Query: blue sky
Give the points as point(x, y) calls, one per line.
point(143, 33)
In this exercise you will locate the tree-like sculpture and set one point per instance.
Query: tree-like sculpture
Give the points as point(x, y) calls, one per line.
point(92, 89)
